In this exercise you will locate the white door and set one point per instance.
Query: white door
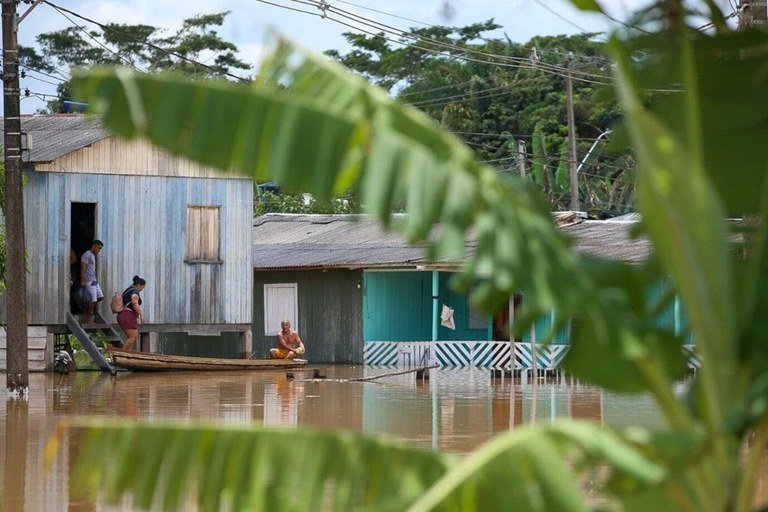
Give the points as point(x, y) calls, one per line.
point(281, 302)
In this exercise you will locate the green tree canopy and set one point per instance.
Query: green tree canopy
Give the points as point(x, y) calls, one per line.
point(144, 47)
point(492, 92)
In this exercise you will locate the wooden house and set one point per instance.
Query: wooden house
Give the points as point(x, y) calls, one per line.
point(358, 294)
point(184, 228)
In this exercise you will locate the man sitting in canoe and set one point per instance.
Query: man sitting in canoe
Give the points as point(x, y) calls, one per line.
point(289, 344)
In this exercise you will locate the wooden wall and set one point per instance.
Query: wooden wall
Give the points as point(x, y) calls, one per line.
point(330, 313)
point(141, 221)
point(114, 155)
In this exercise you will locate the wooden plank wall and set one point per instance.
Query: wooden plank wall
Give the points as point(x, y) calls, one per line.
point(330, 313)
point(39, 348)
point(133, 158)
point(142, 223)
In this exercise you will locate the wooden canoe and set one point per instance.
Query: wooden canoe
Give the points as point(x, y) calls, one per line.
point(144, 361)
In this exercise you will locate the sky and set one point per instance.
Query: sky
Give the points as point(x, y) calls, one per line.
point(250, 21)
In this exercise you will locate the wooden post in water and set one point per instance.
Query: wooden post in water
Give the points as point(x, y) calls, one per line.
point(17, 364)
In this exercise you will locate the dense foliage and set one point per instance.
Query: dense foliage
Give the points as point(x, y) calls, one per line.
point(269, 202)
point(494, 94)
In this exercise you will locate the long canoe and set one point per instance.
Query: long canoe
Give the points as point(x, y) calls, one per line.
point(144, 361)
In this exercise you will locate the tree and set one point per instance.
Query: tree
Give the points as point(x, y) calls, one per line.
point(490, 92)
point(143, 47)
point(269, 202)
point(709, 455)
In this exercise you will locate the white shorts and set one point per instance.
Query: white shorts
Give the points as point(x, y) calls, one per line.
point(95, 291)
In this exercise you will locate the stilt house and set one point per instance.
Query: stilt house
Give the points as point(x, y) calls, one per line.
point(358, 294)
point(184, 228)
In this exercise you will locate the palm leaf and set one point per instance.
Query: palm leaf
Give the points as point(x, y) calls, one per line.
point(161, 465)
point(685, 218)
point(313, 126)
point(250, 469)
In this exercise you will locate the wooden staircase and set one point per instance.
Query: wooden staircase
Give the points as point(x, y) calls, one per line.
point(94, 338)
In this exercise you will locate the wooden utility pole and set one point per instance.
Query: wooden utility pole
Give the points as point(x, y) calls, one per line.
point(573, 175)
point(752, 12)
point(17, 365)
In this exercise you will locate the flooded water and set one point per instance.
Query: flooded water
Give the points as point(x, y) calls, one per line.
point(455, 411)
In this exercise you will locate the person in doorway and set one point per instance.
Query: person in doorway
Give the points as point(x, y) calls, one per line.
point(88, 278)
point(131, 315)
point(289, 344)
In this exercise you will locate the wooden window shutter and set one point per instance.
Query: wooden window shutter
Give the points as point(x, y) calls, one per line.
point(203, 234)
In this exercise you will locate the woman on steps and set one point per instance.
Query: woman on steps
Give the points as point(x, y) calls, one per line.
point(131, 314)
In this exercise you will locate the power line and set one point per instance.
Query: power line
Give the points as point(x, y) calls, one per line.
point(385, 13)
point(90, 36)
point(147, 43)
point(516, 62)
point(571, 23)
point(41, 80)
point(508, 61)
point(468, 96)
point(60, 78)
point(509, 43)
point(400, 33)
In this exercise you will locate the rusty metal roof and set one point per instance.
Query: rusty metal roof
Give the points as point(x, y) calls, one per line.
point(285, 241)
point(54, 135)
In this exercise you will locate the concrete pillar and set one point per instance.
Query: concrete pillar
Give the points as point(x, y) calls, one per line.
point(50, 341)
point(246, 344)
point(148, 342)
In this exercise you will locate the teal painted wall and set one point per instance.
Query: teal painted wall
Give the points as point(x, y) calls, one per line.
point(543, 328)
point(462, 312)
point(397, 306)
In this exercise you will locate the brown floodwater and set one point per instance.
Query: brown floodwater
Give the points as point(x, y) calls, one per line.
point(455, 411)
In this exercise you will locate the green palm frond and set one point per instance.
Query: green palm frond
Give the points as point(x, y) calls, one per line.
point(313, 126)
point(161, 465)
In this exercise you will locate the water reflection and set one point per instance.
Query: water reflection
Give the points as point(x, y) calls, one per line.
point(454, 411)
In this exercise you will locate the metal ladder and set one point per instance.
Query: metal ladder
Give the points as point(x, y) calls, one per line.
point(93, 335)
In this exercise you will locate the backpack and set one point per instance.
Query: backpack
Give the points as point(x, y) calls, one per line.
point(117, 303)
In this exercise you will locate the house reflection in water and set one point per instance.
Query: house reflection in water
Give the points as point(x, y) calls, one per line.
point(454, 411)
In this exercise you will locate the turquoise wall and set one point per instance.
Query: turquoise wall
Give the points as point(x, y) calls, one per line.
point(543, 328)
point(397, 306)
point(672, 316)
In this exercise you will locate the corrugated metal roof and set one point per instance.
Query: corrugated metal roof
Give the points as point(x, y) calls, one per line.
point(52, 136)
point(609, 239)
point(282, 241)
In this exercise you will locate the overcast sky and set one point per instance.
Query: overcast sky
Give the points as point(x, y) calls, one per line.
point(521, 19)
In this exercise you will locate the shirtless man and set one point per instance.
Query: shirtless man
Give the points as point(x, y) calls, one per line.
point(288, 341)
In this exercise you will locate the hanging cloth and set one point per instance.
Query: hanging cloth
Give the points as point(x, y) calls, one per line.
point(446, 318)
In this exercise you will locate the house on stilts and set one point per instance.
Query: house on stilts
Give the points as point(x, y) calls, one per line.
point(183, 227)
point(359, 294)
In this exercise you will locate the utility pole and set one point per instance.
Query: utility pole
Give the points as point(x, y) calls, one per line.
point(573, 175)
point(752, 12)
point(17, 365)
point(521, 159)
